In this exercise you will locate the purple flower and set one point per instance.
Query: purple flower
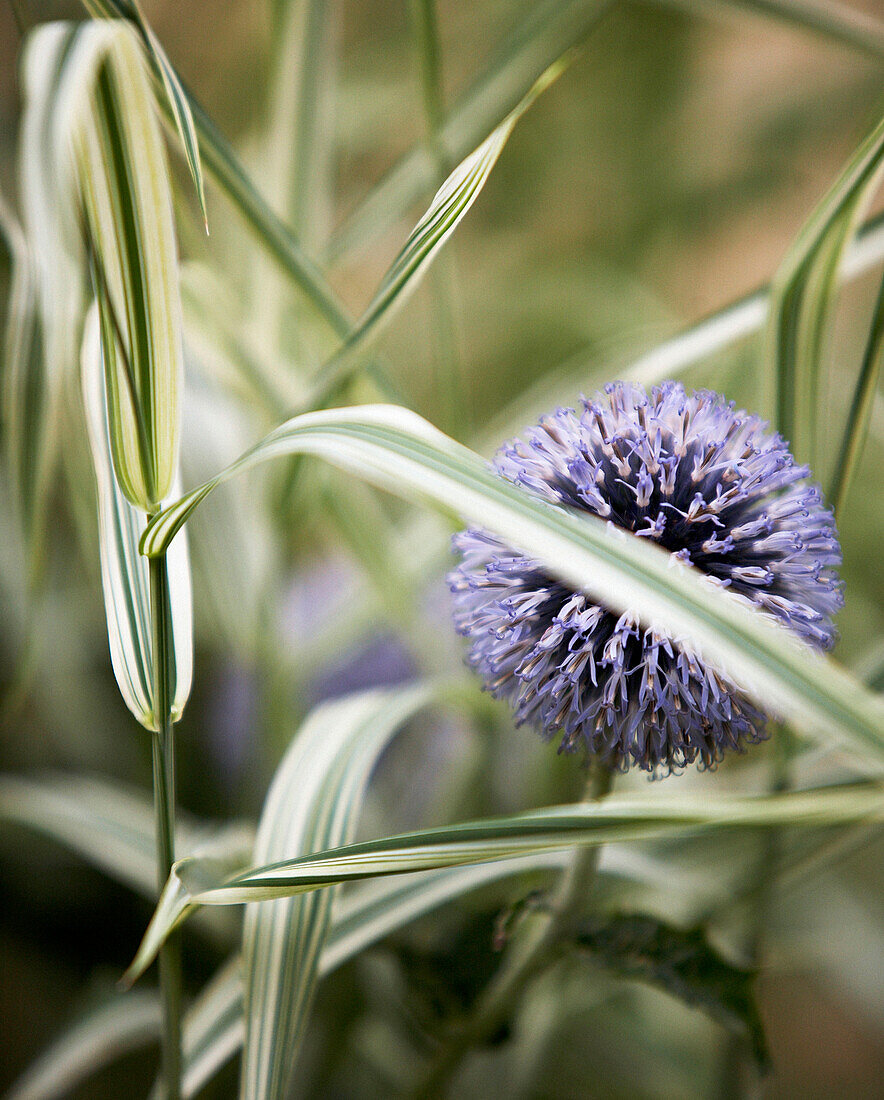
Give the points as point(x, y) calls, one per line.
point(711, 484)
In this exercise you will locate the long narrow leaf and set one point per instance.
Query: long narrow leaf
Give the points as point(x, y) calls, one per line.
point(399, 451)
point(26, 417)
point(547, 30)
point(106, 1033)
point(125, 575)
point(196, 882)
point(313, 803)
point(451, 202)
point(124, 194)
point(110, 826)
point(176, 101)
point(803, 292)
point(860, 415)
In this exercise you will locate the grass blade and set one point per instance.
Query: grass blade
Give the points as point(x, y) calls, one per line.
point(108, 1032)
point(27, 421)
point(124, 190)
point(802, 296)
point(313, 802)
point(196, 882)
point(125, 575)
point(399, 451)
point(860, 414)
point(450, 204)
point(109, 826)
point(176, 100)
point(548, 30)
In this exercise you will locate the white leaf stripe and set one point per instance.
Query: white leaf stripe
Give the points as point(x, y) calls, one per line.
point(451, 202)
point(399, 451)
point(196, 882)
point(802, 293)
point(125, 574)
point(111, 179)
point(109, 1031)
point(312, 803)
point(176, 97)
point(214, 1027)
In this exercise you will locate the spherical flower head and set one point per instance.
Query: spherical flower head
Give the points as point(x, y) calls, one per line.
point(709, 483)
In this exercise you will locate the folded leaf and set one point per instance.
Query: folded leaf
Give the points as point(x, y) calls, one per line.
point(125, 574)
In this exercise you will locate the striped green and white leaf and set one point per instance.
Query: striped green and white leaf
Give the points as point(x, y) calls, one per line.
point(803, 294)
point(119, 186)
point(28, 431)
point(110, 826)
point(110, 1031)
point(450, 203)
point(544, 33)
point(176, 100)
point(125, 574)
point(399, 451)
point(42, 360)
point(313, 803)
point(860, 416)
point(196, 882)
point(214, 1026)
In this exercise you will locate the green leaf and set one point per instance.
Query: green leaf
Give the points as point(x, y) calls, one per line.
point(685, 964)
point(214, 1027)
point(176, 101)
point(547, 31)
point(860, 415)
point(399, 451)
point(118, 186)
point(450, 203)
point(125, 574)
point(803, 292)
point(28, 431)
point(113, 1029)
point(42, 356)
point(312, 804)
point(195, 882)
point(110, 826)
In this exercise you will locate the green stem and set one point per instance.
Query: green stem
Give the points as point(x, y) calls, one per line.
point(734, 1072)
point(533, 949)
point(164, 810)
point(450, 385)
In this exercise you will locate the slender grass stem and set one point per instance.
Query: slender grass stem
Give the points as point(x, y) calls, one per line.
point(164, 810)
point(733, 1073)
point(450, 382)
point(533, 949)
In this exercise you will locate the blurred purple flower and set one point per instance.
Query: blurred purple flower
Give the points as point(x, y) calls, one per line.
point(710, 484)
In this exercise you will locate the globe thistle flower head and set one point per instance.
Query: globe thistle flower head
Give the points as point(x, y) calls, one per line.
point(713, 486)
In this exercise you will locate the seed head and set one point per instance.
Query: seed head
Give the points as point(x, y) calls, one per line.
point(711, 484)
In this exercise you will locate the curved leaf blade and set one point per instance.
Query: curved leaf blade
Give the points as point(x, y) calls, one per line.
point(803, 292)
point(107, 1032)
point(449, 206)
point(195, 882)
point(116, 181)
point(125, 574)
point(313, 802)
point(399, 451)
point(176, 98)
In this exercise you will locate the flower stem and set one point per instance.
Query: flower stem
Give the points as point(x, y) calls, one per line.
point(164, 811)
point(533, 949)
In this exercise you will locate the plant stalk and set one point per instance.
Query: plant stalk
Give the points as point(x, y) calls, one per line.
point(164, 812)
point(534, 947)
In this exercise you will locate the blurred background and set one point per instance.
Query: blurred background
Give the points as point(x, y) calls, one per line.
point(660, 179)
